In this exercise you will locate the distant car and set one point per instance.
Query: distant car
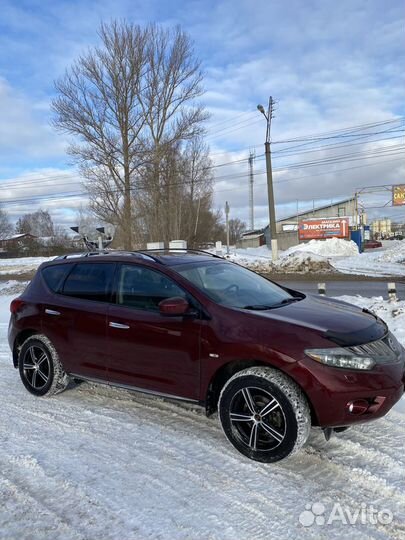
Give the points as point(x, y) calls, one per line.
point(273, 361)
point(372, 244)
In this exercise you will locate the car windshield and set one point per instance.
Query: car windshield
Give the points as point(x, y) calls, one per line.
point(234, 286)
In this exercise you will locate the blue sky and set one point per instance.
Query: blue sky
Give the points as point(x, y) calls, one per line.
point(329, 64)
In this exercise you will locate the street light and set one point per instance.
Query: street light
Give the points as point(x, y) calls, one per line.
point(272, 213)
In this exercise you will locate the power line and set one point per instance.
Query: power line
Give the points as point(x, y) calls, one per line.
point(69, 176)
point(140, 188)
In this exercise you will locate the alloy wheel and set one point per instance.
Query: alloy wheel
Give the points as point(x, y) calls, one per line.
point(36, 367)
point(257, 419)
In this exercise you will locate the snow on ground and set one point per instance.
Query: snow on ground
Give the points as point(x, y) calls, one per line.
point(333, 254)
point(332, 247)
point(326, 256)
point(387, 262)
point(96, 462)
point(12, 286)
point(21, 265)
point(260, 260)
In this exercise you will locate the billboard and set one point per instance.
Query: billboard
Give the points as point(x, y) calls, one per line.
point(310, 229)
point(398, 195)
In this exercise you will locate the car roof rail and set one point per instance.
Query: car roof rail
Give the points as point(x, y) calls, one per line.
point(107, 252)
point(179, 250)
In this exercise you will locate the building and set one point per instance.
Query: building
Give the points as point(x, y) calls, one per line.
point(15, 243)
point(287, 228)
point(381, 228)
point(252, 239)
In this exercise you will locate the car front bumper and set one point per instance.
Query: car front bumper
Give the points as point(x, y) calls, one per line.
point(342, 397)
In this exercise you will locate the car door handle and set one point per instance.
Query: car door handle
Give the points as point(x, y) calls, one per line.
point(118, 325)
point(52, 312)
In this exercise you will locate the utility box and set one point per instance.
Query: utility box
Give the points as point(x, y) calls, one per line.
point(178, 244)
point(155, 245)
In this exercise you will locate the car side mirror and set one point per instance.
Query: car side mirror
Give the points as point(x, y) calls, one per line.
point(175, 306)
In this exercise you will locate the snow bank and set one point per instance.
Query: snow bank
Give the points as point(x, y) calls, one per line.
point(302, 262)
point(394, 253)
point(332, 247)
point(390, 262)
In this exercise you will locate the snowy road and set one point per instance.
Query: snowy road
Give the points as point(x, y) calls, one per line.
point(100, 463)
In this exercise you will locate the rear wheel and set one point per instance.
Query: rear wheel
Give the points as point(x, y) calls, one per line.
point(264, 414)
point(40, 369)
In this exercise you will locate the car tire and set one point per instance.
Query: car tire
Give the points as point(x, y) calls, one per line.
point(40, 369)
point(264, 414)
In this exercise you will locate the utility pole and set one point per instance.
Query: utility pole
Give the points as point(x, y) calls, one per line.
point(356, 210)
point(251, 205)
point(270, 193)
point(227, 226)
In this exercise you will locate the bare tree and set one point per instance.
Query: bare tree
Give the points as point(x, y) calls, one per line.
point(37, 223)
point(185, 191)
point(5, 226)
point(128, 103)
point(236, 228)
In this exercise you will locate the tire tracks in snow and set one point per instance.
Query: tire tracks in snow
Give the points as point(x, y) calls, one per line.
point(370, 483)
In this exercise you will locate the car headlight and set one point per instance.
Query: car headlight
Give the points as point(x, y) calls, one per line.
point(342, 358)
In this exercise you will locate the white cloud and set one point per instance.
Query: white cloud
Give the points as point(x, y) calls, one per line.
point(23, 133)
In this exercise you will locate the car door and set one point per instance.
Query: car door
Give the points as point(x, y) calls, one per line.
point(146, 349)
point(76, 322)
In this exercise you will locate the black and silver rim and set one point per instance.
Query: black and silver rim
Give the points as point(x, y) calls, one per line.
point(257, 419)
point(37, 367)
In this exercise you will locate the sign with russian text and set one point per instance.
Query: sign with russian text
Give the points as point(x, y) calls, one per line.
point(398, 195)
point(319, 229)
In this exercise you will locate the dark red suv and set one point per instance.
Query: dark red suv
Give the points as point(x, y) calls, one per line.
point(273, 361)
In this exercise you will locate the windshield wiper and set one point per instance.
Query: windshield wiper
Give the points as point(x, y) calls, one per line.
point(258, 307)
point(290, 300)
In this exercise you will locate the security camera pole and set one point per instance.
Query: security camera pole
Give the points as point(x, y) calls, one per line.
point(272, 213)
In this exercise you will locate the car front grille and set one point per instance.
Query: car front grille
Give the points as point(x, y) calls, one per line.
point(382, 348)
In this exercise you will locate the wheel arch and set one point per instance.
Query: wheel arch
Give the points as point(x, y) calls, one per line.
point(19, 340)
point(225, 372)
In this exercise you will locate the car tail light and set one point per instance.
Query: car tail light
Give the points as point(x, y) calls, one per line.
point(16, 305)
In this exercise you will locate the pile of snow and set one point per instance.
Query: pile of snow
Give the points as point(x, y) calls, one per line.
point(302, 262)
point(260, 253)
point(257, 259)
point(395, 253)
point(332, 247)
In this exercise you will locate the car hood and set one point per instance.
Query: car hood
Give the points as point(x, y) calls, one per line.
point(338, 321)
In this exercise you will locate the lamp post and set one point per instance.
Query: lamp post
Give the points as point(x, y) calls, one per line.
point(272, 213)
point(227, 226)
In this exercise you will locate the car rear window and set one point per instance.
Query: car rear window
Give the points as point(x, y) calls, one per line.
point(54, 276)
point(90, 281)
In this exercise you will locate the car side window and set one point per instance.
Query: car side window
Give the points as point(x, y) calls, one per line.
point(90, 281)
point(142, 288)
point(54, 276)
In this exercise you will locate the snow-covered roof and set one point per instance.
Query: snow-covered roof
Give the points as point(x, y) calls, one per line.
point(252, 236)
point(17, 236)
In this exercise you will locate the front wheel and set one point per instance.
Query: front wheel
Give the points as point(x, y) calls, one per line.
point(264, 414)
point(40, 369)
